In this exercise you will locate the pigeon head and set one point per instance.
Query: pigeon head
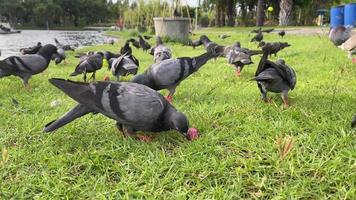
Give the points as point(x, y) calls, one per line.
point(39, 44)
point(47, 51)
point(178, 121)
point(204, 38)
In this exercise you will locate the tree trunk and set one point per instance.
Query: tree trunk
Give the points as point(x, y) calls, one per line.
point(285, 14)
point(217, 15)
point(260, 13)
point(230, 12)
point(222, 15)
point(243, 14)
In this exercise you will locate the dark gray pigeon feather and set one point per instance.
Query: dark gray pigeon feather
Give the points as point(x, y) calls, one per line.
point(133, 106)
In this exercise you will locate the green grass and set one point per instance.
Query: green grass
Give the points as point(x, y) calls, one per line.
point(237, 155)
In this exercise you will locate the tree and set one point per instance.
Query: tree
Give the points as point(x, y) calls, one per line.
point(285, 13)
point(260, 18)
point(231, 15)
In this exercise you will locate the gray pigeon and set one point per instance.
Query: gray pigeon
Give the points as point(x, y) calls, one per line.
point(208, 44)
point(160, 52)
point(168, 74)
point(25, 66)
point(258, 37)
point(123, 65)
point(89, 64)
point(353, 122)
point(275, 77)
point(239, 57)
point(340, 34)
point(273, 47)
point(143, 43)
point(134, 107)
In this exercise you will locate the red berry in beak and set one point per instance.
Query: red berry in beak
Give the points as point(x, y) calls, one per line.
point(192, 134)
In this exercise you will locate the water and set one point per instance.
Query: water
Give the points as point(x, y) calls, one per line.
point(11, 44)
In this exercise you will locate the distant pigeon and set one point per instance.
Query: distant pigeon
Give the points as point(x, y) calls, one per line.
point(262, 31)
point(258, 37)
point(275, 77)
point(31, 50)
point(143, 43)
point(168, 74)
point(124, 65)
point(90, 64)
point(160, 52)
point(25, 66)
point(134, 107)
point(211, 46)
point(135, 43)
point(239, 57)
point(65, 47)
point(224, 36)
point(353, 122)
point(126, 49)
point(147, 37)
point(340, 34)
point(274, 47)
point(281, 33)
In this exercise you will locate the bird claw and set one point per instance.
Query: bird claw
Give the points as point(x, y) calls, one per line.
point(106, 78)
point(169, 98)
point(144, 138)
point(238, 74)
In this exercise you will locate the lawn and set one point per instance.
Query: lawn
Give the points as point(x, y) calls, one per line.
point(247, 149)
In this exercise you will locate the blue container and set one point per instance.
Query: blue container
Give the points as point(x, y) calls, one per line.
point(350, 14)
point(337, 16)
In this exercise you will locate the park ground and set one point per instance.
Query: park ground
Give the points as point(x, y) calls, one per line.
point(247, 149)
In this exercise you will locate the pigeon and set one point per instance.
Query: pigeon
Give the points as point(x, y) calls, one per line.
point(111, 41)
point(31, 50)
point(224, 36)
point(274, 47)
point(66, 47)
point(168, 74)
point(160, 52)
point(340, 34)
point(282, 33)
point(350, 46)
point(194, 43)
point(143, 43)
point(239, 57)
point(124, 65)
point(135, 43)
point(89, 64)
point(147, 37)
point(353, 122)
point(208, 44)
point(260, 30)
point(275, 77)
point(134, 107)
point(24, 66)
point(258, 37)
point(126, 49)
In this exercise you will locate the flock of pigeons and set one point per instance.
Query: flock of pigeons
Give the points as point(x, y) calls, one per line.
point(136, 105)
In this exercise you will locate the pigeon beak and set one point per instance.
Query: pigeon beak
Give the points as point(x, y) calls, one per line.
point(192, 134)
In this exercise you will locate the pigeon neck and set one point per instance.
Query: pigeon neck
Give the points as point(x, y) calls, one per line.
point(262, 63)
point(202, 59)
